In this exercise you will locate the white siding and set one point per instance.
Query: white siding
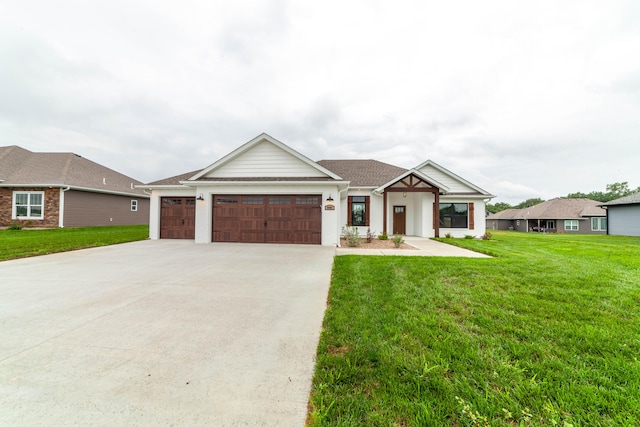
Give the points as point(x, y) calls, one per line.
point(455, 186)
point(624, 220)
point(266, 160)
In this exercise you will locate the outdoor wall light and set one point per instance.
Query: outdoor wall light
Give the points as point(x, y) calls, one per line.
point(200, 197)
point(404, 194)
point(329, 205)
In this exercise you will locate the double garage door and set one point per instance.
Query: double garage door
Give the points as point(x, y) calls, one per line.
point(267, 219)
point(248, 218)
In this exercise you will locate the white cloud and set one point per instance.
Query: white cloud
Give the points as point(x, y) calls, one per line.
point(525, 100)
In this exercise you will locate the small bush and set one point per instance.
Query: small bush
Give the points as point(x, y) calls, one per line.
point(383, 236)
point(398, 240)
point(448, 236)
point(351, 236)
point(18, 225)
point(14, 225)
point(486, 236)
point(469, 236)
point(370, 235)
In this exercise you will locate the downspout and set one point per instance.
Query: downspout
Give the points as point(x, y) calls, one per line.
point(61, 207)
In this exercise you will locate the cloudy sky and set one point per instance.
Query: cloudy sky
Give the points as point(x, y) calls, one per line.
point(525, 99)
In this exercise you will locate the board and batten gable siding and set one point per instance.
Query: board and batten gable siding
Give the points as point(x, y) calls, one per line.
point(265, 160)
point(455, 186)
point(86, 209)
point(624, 220)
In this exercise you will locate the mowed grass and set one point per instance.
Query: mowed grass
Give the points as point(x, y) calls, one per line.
point(26, 243)
point(545, 334)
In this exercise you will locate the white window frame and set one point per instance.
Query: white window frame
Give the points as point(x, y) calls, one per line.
point(569, 225)
point(14, 207)
point(134, 205)
point(599, 221)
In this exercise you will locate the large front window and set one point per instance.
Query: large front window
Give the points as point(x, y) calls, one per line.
point(358, 210)
point(454, 215)
point(28, 204)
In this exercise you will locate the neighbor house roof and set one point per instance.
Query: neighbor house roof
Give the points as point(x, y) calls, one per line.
point(631, 199)
point(23, 168)
point(363, 173)
point(558, 208)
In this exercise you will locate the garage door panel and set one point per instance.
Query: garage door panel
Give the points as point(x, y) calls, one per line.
point(177, 217)
point(268, 218)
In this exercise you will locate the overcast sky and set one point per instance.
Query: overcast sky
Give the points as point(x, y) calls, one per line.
point(524, 99)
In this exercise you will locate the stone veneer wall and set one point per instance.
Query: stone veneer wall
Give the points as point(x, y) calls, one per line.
point(51, 206)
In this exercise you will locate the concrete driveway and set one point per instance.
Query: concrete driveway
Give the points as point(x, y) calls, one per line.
point(162, 333)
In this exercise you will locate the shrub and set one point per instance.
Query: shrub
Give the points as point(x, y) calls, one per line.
point(398, 240)
point(370, 235)
point(351, 236)
point(14, 225)
point(383, 236)
point(486, 236)
point(18, 225)
point(469, 236)
point(448, 236)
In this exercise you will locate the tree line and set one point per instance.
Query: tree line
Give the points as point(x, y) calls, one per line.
point(613, 191)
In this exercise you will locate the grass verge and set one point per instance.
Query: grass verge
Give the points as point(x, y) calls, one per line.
point(546, 333)
point(26, 243)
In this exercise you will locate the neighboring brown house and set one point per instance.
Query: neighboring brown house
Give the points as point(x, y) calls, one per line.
point(66, 190)
point(559, 215)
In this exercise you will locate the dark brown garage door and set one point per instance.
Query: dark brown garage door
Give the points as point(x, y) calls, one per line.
point(267, 219)
point(177, 217)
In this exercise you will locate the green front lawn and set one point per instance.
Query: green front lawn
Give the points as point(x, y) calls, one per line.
point(546, 333)
point(25, 243)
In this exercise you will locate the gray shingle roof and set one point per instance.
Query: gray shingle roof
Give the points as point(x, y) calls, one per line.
point(631, 199)
point(365, 173)
point(558, 208)
point(23, 167)
point(175, 180)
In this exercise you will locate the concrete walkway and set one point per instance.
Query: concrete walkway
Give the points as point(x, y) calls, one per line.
point(162, 333)
point(425, 247)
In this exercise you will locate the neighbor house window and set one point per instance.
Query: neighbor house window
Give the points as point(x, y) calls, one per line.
point(454, 215)
point(358, 210)
point(134, 206)
point(571, 224)
point(28, 205)
point(599, 224)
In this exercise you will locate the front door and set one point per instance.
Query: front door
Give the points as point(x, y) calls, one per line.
point(399, 220)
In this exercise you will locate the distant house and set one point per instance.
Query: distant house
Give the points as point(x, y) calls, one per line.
point(623, 215)
point(66, 190)
point(559, 215)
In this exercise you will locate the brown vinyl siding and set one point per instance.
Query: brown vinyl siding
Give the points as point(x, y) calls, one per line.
point(86, 209)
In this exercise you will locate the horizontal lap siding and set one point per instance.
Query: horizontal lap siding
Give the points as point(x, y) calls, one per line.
point(624, 220)
point(85, 209)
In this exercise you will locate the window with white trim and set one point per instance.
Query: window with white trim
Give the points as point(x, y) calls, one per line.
point(28, 205)
point(134, 206)
point(571, 225)
point(598, 224)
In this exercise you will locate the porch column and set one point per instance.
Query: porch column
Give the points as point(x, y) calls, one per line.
point(384, 212)
point(436, 214)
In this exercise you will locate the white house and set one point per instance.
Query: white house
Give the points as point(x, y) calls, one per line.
point(266, 192)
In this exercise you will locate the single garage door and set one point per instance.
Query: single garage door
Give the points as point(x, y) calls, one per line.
point(177, 217)
point(268, 219)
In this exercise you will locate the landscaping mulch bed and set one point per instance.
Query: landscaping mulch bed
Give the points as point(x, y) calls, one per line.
point(377, 244)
